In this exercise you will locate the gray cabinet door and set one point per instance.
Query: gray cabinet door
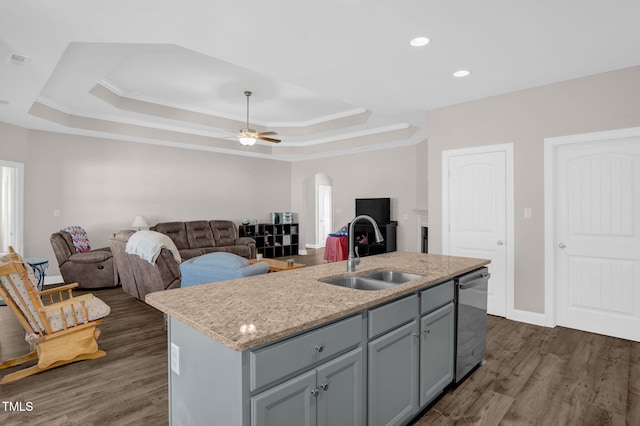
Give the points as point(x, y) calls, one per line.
point(292, 403)
point(436, 352)
point(341, 385)
point(393, 376)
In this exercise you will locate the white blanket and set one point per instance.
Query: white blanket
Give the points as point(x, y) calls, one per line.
point(148, 244)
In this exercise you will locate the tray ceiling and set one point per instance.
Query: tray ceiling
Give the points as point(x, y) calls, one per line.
point(331, 78)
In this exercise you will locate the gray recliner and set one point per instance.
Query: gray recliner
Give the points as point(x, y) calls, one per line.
point(138, 276)
point(90, 269)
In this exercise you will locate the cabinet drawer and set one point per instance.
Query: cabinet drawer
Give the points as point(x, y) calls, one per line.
point(392, 315)
point(434, 297)
point(281, 359)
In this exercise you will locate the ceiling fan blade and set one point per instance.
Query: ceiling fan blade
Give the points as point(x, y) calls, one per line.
point(262, 138)
point(267, 133)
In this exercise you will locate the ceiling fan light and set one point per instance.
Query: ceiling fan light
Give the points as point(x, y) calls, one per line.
point(246, 141)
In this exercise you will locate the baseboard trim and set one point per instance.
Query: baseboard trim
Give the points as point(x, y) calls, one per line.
point(302, 252)
point(529, 317)
point(313, 246)
point(53, 279)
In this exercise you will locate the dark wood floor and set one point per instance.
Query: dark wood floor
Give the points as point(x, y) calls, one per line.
point(533, 376)
point(543, 376)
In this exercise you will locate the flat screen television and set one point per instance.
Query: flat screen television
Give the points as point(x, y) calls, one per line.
point(378, 208)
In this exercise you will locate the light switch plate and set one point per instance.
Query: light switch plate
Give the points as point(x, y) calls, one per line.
point(527, 213)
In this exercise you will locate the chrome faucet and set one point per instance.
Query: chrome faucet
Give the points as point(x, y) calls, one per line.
point(354, 257)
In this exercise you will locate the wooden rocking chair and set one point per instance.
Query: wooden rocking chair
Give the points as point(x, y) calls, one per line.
point(59, 332)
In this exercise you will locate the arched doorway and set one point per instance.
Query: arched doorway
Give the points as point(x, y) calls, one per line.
point(325, 213)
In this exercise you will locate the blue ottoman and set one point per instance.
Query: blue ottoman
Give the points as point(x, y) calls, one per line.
point(219, 266)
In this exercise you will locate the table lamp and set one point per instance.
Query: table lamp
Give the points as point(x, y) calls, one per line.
point(140, 222)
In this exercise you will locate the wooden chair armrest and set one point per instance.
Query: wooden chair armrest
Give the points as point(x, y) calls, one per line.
point(73, 303)
point(59, 289)
point(66, 302)
point(60, 292)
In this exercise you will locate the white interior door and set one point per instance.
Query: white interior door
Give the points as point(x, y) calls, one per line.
point(476, 223)
point(597, 236)
point(11, 205)
point(325, 218)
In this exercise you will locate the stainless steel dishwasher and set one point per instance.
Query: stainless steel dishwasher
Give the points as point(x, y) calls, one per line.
point(471, 321)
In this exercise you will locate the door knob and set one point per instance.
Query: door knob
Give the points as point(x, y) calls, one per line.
point(500, 242)
point(561, 245)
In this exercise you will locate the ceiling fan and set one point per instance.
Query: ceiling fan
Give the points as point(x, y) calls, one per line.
point(249, 136)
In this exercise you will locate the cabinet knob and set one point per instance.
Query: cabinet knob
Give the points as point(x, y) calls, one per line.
point(314, 392)
point(324, 386)
point(562, 245)
point(427, 330)
point(416, 335)
point(319, 348)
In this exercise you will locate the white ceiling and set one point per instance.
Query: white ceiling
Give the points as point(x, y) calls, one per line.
point(332, 77)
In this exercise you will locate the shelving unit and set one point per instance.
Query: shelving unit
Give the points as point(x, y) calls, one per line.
point(273, 240)
point(371, 248)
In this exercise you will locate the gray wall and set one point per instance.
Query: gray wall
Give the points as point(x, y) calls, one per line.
point(14, 148)
point(14, 144)
point(103, 184)
point(525, 118)
point(390, 173)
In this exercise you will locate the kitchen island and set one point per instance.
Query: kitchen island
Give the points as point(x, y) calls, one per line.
point(241, 347)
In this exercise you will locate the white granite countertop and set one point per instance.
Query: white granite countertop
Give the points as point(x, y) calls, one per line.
point(245, 313)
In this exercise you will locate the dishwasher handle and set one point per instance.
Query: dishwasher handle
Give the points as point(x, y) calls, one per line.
point(476, 281)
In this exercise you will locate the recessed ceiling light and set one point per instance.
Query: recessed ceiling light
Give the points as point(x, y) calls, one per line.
point(461, 73)
point(419, 41)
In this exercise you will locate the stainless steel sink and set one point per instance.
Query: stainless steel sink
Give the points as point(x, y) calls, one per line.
point(374, 281)
point(359, 283)
point(395, 277)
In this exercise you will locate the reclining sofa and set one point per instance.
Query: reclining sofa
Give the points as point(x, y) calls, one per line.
point(199, 237)
point(140, 277)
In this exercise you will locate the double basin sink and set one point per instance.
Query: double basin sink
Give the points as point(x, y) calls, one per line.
point(373, 281)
